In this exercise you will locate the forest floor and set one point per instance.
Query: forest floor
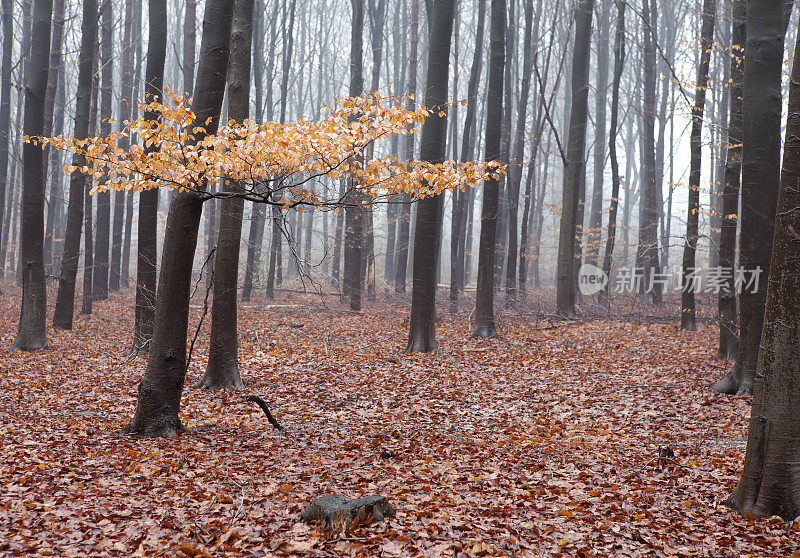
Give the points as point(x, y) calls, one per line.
point(543, 442)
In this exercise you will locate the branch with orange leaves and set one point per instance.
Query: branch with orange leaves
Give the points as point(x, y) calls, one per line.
point(272, 163)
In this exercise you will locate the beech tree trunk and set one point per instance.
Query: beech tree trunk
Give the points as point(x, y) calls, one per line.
point(761, 125)
point(619, 64)
point(88, 232)
point(116, 272)
point(354, 214)
point(601, 98)
point(460, 210)
point(433, 149)
point(100, 272)
point(65, 299)
point(647, 256)
point(515, 172)
point(32, 319)
point(5, 123)
point(770, 484)
point(484, 302)
point(404, 219)
point(146, 275)
point(576, 159)
point(728, 346)
point(53, 79)
point(189, 44)
point(693, 213)
point(222, 370)
point(160, 389)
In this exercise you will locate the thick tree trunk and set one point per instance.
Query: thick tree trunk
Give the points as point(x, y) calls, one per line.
point(761, 124)
point(354, 211)
point(103, 225)
point(575, 163)
point(189, 44)
point(32, 319)
point(53, 81)
point(160, 389)
point(770, 484)
point(619, 65)
point(730, 193)
point(693, 212)
point(404, 222)
point(146, 275)
point(433, 149)
point(484, 302)
point(222, 371)
point(65, 299)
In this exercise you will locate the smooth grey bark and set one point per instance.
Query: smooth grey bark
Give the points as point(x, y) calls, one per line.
point(404, 221)
point(575, 163)
point(32, 320)
point(433, 149)
point(5, 124)
point(728, 346)
point(146, 273)
point(65, 298)
point(53, 78)
point(460, 208)
point(619, 66)
point(189, 44)
point(600, 145)
point(88, 231)
point(161, 387)
point(696, 146)
point(222, 371)
point(484, 302)
point(514, 179)
point(647, 256)
point(100, 272)
point(115, 270)
point(354, 211)
point(761, 125)
point(770, 484)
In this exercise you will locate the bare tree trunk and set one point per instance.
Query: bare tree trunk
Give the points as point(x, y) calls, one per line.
point(146, 275)
point(160, 389)
point(100, 273)
point(761, 124)
point(693, 213)
point(601, 97)
point(619, 65)
point(49, 105)
point(354, 212)
point(769, 484)
point(65, 299)
point(647, 253)
point(404, 222)
point(5, 125)
point(115, 277)
point(422, 331)
point(136, 83)
point(32, 319)
point(88, 231)
point(575, 163)
point(460, 209)
point(728, 346)
point(514, 179)
point(484, 303)
point(222, 371)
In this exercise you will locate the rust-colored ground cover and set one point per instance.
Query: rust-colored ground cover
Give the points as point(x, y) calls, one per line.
point(544, 442)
